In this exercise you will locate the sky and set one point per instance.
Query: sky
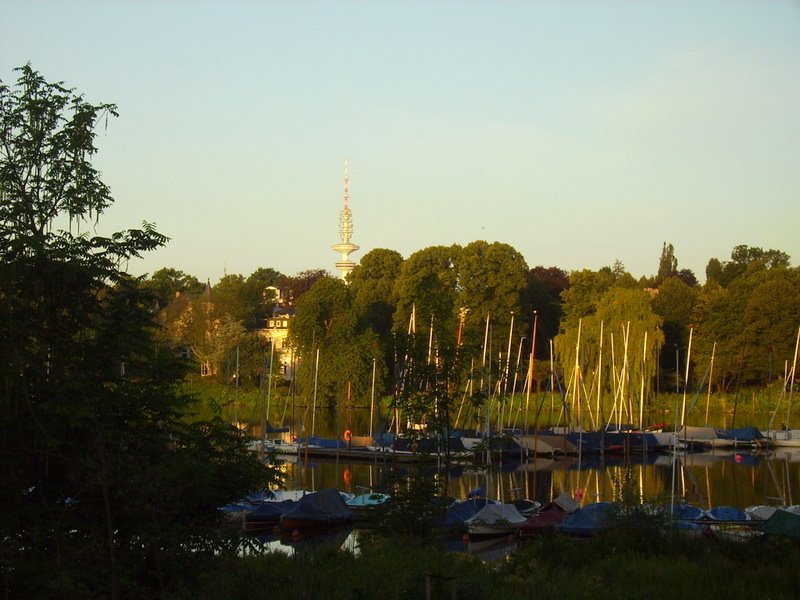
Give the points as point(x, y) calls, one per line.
point(580, 133)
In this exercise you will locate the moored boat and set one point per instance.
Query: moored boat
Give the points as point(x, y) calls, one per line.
point(317, 511)
point(590, 519)
point(494, 520)
point(549, 517)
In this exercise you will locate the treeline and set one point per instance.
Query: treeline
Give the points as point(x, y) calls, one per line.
point(111, 482)
point(466, 314)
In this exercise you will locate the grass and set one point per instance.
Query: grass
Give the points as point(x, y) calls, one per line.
point(622, 562)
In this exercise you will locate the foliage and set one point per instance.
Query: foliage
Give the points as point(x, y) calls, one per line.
point(371, 283)
point(335, 358)
point(491, 279)
point(753, 322)
point(167, 284)
point(425, 292)
point(297, 285)
point(742, 258)
point(674, 302)
point(543, 295)
point(585, 287)
point(667, 264)
point(257, 298)
point(620, 563)
point(107, 489)
point(617, 340)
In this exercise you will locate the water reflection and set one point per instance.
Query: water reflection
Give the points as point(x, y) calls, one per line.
point(705, 479)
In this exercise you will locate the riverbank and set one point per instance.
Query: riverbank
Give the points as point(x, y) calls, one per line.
point(623, 562)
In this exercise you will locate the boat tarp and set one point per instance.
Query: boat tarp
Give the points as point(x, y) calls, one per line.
point(744, 434)
point(271, 511)
point(325, 505)
point(428, 445)
point(547, 518)
point(696, 433)
point(497, 513)
point(458, 512)
point(687, 512)
point(589, 519)
point(322, 442)
point(566, 502)
point(783, 522)
point(727, 513)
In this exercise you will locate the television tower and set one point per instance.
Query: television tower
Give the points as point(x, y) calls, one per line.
point(345, 247)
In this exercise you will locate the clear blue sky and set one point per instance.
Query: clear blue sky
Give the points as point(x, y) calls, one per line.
point(578, 132)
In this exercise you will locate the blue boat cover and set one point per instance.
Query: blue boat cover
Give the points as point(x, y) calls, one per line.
point(270, 512)
point(727, 513)
point(458, 512)
point(687, 512)
point(589, 519)
point(322, 442)
point(478, 492)
point(745, 434)
point(326, 506)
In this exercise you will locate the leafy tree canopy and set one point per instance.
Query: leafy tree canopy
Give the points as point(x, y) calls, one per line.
point(372, 283)
point(105, 484)
point(167, 283)
point(744, 258)
point(427, 287)
point(491, 279)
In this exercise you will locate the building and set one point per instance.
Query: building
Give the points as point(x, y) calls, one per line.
point(345, 247)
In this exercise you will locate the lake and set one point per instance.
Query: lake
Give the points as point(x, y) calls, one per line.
point(706, 479)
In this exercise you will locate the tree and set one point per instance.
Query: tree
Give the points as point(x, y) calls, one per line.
point(427, 286)
point(772, 316)
point(167, 283)
point(325, 321)
point(688, 277)
point(104, 482)
point(667, 264)
point(585, 288)
point(372, 286)
point(491, 281)
point(674, 303)
point(744, 258)
point(543, 294)
point(631, 340)
point(714, 271)
point(297, 285)
point(258, 300)
point(753, 322)
point(372, 283)
point(228, 298)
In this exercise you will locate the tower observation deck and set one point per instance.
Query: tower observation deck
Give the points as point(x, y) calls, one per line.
point(345, 247)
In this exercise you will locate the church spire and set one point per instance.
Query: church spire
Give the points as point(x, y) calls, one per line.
point(345, 247)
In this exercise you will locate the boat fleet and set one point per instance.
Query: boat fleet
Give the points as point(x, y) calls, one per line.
point(477, 518)
point(296, 513)
point(470, 446)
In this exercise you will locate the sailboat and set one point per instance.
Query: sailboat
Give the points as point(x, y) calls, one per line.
point(786, 437)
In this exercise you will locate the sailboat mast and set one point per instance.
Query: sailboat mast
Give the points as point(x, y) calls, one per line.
point(641, 389)
point(686, 378)
point(314, 406)
point(269, 378)
point(710, 375)
point(791, 381)
point(372, 399)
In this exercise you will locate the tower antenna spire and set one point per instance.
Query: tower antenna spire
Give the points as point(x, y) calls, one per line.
point(345, 247)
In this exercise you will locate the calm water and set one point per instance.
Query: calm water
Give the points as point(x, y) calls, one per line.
point(704, 479)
